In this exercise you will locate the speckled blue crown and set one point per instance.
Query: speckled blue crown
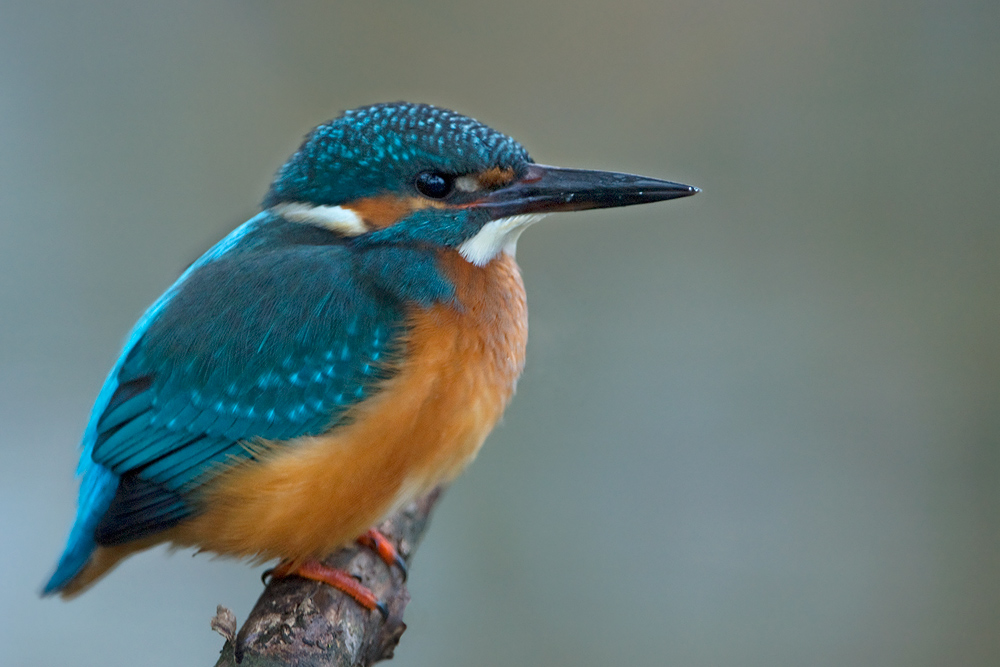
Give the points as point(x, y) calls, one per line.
point(382, 147)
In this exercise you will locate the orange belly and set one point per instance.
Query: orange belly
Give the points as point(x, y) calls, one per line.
point(304, 499)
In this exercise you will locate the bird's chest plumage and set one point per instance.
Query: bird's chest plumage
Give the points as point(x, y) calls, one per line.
point(467, 357)
point(457, 371)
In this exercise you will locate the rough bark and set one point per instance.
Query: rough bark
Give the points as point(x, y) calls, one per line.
point(302, 623)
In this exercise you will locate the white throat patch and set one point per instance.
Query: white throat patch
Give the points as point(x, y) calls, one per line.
point(497, 236)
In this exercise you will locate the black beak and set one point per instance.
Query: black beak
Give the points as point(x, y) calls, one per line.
point(545, 189)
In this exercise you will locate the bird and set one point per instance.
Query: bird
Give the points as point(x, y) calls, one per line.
point(340, 354)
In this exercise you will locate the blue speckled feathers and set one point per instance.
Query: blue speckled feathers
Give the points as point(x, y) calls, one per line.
point(379, 148)
point(273, 345)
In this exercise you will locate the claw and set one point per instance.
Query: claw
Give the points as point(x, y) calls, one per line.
point(401, 564)
point(385, 549)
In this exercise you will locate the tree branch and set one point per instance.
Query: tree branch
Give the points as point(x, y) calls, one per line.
point(298, 622)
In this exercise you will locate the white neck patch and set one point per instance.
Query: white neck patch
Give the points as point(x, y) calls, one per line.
point(497, 236)
point(335, 218)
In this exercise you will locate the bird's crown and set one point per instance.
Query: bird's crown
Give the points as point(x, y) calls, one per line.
point(384, 148)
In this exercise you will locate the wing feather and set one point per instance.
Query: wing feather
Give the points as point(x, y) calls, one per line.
point(272, 346)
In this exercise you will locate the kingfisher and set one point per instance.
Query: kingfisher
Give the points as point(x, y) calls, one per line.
point(335, 357)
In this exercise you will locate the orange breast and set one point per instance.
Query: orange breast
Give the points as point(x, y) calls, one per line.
point(460, 369)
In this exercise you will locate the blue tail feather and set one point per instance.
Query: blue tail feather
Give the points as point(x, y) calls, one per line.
point(97, 488)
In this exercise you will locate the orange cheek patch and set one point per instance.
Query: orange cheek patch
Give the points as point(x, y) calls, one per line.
point(495, 177)
point(381, 212)
point(386, 210)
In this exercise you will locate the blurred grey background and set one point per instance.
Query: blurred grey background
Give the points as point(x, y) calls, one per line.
point(758, 427)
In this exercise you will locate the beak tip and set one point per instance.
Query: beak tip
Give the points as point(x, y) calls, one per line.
point(678, 191)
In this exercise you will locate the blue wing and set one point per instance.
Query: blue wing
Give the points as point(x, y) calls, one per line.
point(266, 342)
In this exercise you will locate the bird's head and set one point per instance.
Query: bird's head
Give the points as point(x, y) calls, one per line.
point(416, 174)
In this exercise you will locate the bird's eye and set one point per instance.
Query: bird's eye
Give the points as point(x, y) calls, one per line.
point(434, 185)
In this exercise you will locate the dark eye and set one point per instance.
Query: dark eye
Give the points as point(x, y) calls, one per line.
point(434, 185)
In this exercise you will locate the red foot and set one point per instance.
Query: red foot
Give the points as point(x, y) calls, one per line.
point(337, 578)
point(381, 545)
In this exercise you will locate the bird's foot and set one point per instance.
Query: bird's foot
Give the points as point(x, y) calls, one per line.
point(339, 579)
point(385, 549)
